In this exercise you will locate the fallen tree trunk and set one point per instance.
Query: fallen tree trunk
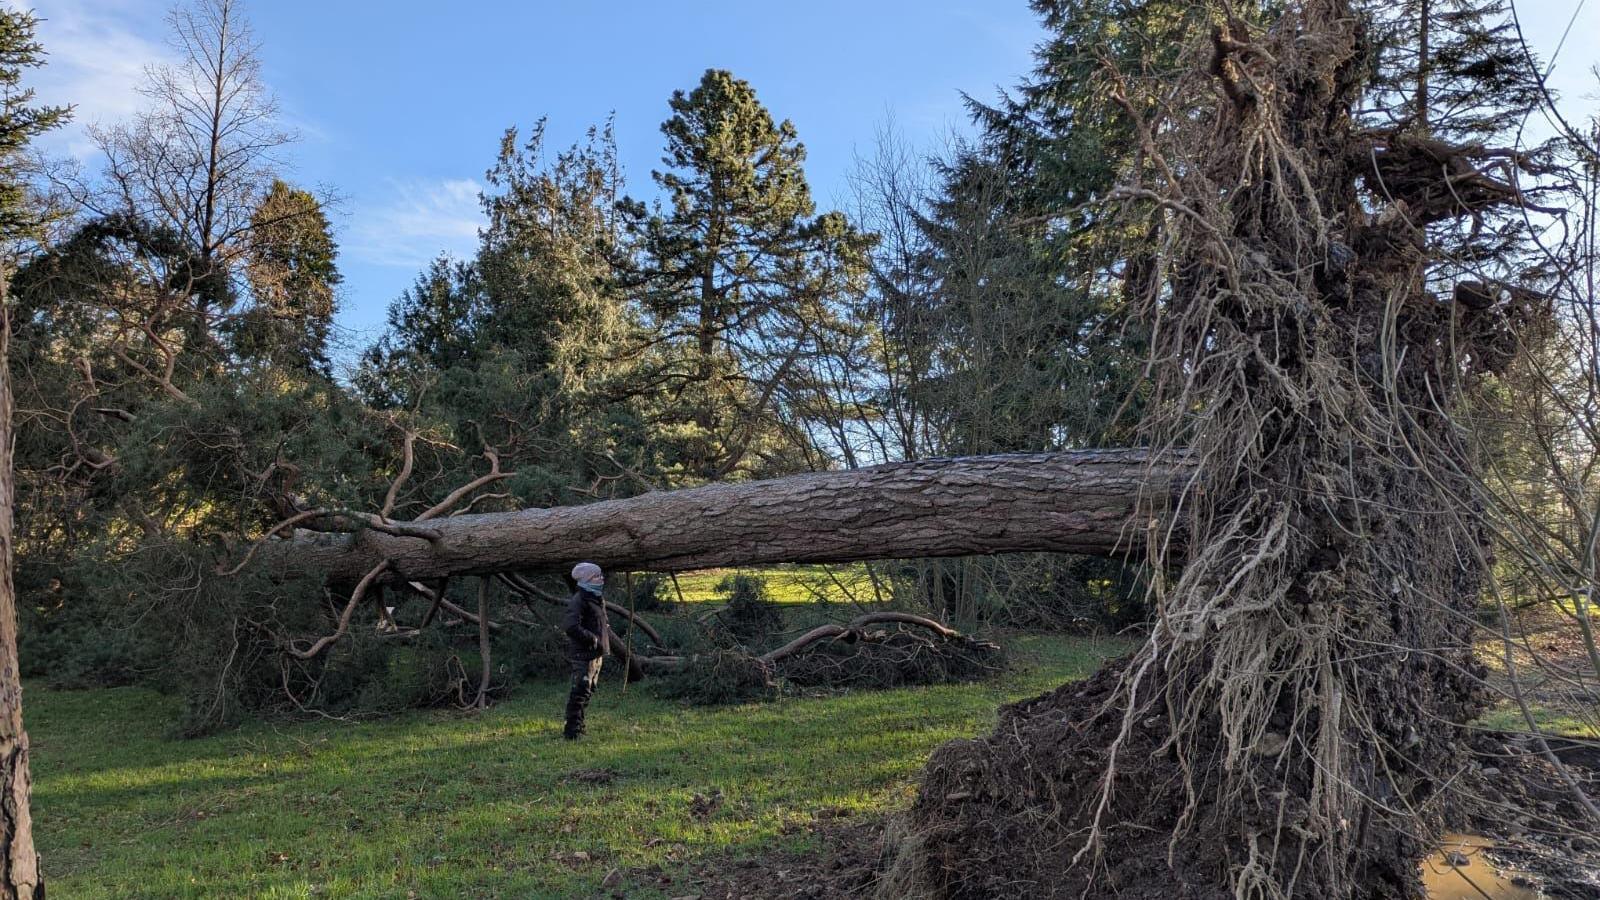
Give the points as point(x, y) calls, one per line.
point(1073, 502)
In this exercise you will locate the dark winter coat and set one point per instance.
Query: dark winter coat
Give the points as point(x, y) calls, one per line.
point(588, 634)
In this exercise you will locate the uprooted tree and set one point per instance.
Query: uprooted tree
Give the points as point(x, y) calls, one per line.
point(1298, 703)
point(1293, 723)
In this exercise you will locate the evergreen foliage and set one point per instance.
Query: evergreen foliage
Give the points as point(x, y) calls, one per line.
point(740, 280)
point(293, 274)
point(21, 120)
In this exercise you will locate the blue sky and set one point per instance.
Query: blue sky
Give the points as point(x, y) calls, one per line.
point(400, 105)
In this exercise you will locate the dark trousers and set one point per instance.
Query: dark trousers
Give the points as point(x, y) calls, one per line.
point(585, 675)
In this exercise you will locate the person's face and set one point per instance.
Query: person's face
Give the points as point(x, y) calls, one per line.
point(598, 580)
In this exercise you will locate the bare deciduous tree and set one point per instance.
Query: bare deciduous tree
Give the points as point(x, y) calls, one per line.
point(198, 159)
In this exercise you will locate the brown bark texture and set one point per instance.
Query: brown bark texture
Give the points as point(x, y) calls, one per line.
point(19, 863)
point(1082, 501)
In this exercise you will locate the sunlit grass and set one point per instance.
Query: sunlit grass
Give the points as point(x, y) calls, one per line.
point(785, 584)
point(442, 804)
point(1550, 720)
point(1553, 672)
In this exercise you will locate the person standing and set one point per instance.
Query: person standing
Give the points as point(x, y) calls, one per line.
point(588, 642)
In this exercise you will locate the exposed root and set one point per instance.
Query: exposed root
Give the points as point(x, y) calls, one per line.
point(1291, 724)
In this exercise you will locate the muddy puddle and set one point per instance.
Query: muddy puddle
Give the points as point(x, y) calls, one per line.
point(1459, 870)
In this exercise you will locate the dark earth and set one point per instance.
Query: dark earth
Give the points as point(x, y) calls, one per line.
point(1523, 806)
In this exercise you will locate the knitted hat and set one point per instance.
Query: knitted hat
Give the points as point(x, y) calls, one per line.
point(585, 571)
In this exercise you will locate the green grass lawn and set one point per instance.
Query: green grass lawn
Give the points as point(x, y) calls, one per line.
point(785, 583)
point(456, 805)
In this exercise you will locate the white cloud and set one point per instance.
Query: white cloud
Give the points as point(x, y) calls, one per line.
point(97, 51)
point(420, 220)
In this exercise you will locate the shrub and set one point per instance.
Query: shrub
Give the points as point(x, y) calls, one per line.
point(751, 614)
point(719, 677)
point(647, 592)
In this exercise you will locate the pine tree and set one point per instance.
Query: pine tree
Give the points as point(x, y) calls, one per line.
point(548, 254)
point(1012, 311)
point(523, 347)
point(1022, 355)
point(293, 273)
point(20, 122)
point(734, 272)
point(1017, 235)
point(430, 324)
point(1454, 70)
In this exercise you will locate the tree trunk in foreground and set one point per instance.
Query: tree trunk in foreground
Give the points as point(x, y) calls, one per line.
point(19, 864)
point(1074, 502)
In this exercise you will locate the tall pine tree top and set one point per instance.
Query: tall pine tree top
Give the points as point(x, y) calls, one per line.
point(737, 270)
point(724, 148)
point(292, 267)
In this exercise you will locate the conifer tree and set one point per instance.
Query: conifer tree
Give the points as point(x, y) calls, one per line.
point(430, 326)
point(1452, 70)
point(293, 273)
point(735, 272)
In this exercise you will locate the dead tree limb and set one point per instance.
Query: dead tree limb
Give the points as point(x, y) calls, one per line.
point(854, 630)
point(344, 617)
point(435, 595)
point(441, 602)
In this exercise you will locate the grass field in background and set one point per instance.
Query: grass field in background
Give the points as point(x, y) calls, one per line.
point(1554, 673)
point(443, 804)
point(785, 584)
point(1551, 719)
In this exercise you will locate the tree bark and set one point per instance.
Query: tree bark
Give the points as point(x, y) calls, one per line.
point(19, 863)
point(1074, 502)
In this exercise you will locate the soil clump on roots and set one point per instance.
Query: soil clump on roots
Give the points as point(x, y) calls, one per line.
point(1005, 815)
point(1293, 726)
point(989, 822)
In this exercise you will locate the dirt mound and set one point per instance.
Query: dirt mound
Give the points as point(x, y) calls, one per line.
point(1006, 815)
point(1010, 815)
point(967, 840)
point(1522, 801)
